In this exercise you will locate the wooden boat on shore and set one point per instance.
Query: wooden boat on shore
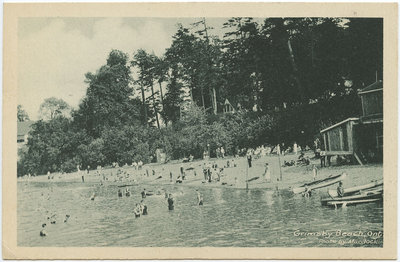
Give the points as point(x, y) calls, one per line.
point(319, 183)
point(352, 190)
point(352, 202)
point(356, 198)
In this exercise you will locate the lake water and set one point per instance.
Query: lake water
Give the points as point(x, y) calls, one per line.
point(229, 217)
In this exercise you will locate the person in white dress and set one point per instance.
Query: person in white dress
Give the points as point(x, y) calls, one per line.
point(267, 173)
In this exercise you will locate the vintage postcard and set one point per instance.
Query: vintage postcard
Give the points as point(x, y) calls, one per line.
point(200, 131)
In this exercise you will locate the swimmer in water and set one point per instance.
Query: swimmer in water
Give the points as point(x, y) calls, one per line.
point(119, 193)
point(127, 192)
point(43, 233)
point(52, 219)
point(66, 218)
point(93, 196)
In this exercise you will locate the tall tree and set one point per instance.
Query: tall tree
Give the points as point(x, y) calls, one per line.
point(365, 50)
point(53, 107)
point(208, 63)
point(244, 50)
point(161, 73)
point(146, 64)
point(22, 115)
point(108, 100)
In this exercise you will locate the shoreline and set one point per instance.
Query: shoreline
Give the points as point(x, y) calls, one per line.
point(291, 176)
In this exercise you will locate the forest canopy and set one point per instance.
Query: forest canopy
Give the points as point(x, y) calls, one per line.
point(282, 80)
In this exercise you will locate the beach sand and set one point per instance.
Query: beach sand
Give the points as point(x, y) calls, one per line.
point(291, 176)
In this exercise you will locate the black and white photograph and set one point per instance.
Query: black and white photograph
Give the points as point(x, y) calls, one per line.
point(202, 131)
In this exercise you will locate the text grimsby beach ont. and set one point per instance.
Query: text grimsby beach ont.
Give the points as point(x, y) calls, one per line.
point(339, 233)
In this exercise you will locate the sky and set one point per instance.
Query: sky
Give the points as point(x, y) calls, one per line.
point(54, 54)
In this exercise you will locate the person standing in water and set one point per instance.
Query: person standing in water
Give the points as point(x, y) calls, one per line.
point(119, 193)
point(170, 201)
point(199, 198)
point(144, 208)
point(144, 193)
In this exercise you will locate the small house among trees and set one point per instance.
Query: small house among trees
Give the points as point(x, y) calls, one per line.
point(359, 137)
point(231, 106)
point(228, 108)
point(23, 129)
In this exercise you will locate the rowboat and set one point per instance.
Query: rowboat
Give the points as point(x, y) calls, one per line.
point(352, 202)
point(356, 198)
point(319, 183)
point(352, 190)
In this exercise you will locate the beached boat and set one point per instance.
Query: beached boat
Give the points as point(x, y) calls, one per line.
point(352, 190)
point(352, 202)
point(356, 198)
point(319, 183)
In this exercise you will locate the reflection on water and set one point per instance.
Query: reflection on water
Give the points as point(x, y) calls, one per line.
point(229, 217)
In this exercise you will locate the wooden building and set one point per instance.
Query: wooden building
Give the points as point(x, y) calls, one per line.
point(339, 139)
point(370, 130)
point(372, 102)
point(233, 107)
point(228, 108)
point(361, 137)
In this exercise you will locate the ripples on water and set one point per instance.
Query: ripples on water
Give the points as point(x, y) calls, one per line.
point(229, 217)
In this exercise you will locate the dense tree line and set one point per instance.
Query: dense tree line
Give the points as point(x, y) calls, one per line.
point(286, 78)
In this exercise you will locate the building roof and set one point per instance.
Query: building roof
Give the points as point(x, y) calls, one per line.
point(377, 86)
point(23, 128)
point(339, 124)
point(228, 102)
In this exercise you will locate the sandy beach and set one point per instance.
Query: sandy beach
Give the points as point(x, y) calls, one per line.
point(231, 177)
